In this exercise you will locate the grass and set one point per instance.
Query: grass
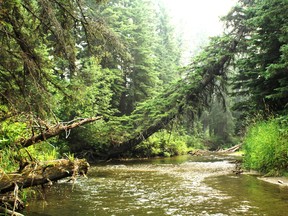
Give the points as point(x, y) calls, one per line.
point(11, 157)
point(266, 147)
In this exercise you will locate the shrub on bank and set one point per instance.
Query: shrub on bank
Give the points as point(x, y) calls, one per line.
point(165, 143)
point(266, 147)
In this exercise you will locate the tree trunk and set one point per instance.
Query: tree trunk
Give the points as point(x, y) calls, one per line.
point(131, 143)
point(41, 173)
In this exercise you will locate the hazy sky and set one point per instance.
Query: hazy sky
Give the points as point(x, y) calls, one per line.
point(198, 19)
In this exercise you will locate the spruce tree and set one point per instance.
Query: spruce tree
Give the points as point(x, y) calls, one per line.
point(262, 78)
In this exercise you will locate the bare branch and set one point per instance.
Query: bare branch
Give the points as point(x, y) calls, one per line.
point(56, 130)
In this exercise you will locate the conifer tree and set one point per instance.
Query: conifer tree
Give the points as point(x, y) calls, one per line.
point(168, 49)
point(262, 78)
point(149, 39)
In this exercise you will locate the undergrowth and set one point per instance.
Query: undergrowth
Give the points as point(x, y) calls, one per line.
point(10, 158)
point(166, 143)
point(12, 155)
point(266, 146)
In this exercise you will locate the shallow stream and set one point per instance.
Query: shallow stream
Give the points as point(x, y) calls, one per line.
point(186, 185)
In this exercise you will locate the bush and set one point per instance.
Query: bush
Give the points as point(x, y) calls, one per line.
point(165, 143)
point(266, 147)
point(43, 151)
point(11, 155)
point(11, 132)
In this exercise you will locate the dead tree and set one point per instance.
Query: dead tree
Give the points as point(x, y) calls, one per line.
point(52, 131)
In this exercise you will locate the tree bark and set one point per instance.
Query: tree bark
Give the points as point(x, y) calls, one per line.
point(42, 173)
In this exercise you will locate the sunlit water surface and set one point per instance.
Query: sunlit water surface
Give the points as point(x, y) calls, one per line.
point(176, 186)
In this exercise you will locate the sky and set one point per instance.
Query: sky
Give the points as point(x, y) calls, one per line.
point(196, 20)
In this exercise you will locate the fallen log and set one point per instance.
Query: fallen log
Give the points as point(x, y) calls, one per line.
point(42, 173)
point(232, 149)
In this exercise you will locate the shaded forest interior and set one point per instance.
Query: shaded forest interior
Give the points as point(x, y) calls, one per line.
point(117, 65)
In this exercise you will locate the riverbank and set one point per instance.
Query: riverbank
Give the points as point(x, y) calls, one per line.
point(281, 181)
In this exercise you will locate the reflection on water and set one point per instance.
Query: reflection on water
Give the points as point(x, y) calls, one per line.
point(174, 186)
point(251, 195)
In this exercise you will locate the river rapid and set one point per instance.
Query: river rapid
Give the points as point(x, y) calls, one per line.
point(185, 185)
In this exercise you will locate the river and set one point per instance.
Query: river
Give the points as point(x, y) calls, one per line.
point(185, 185)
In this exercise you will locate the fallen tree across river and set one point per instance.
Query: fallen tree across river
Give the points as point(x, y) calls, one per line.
point(205, 76)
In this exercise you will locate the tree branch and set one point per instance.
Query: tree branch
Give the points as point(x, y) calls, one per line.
point(56, 130)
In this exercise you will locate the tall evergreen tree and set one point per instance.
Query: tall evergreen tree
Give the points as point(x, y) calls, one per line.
point(132, 21)
point(168, 49)
point(262, 63)
point(40, 52)
point(144, 27)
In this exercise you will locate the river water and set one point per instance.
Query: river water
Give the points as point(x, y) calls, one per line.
point(186, 185)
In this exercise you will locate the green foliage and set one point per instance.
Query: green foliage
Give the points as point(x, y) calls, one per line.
point(261, 79)
point(43, 44)
point(8, 162)
point(51, 73)
point(11, 132)
point(189, 95)
point(10, 158)
point(28, 193)
point(93, 90)
point(50, 69)
point(43, 151)
point(64, 60)
point(216, 142)
point(266, 147)
point(195, 142)
point(167, 49)
point(135, 26)
point(218, 125)
point(92, 140)
point(11, 154)
point(167, 143)
point(149, 39)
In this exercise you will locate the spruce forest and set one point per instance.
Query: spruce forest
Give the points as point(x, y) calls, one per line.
point(100, 79)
